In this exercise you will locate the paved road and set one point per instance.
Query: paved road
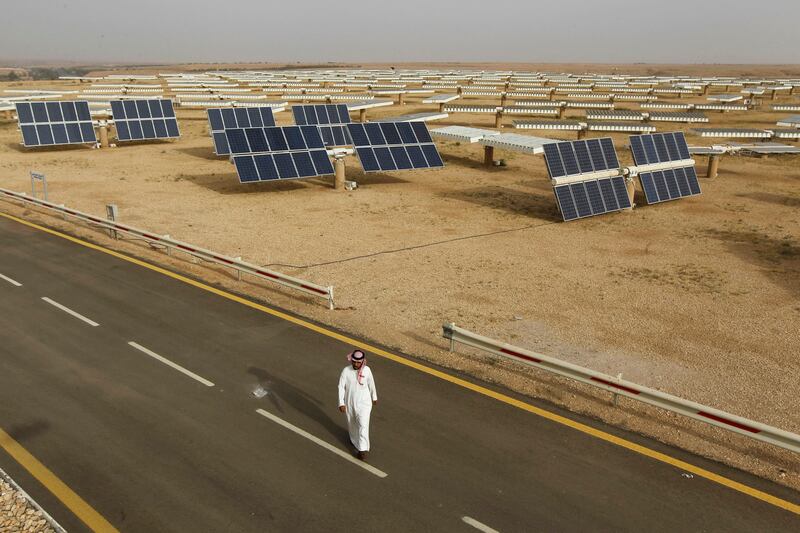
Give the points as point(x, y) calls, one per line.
point(153, 448)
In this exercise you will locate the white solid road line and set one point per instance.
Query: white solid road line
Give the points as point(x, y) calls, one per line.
point(11, 281)
point(70, 311)
point(344, 455)
point(167, 362)
point(477, 525)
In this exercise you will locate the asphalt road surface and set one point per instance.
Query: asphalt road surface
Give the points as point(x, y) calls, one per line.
point(135, 390)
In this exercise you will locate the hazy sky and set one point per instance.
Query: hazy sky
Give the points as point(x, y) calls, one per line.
point(678, 31)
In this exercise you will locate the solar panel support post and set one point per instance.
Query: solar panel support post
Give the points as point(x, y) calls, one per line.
point(103, 134)
point(441, 107)
point(339, 173)
point(362, 115)
point(713, 166)
point(561, 110)
point(400, 98)
point(488, 156)
point(582, 133)
point(630, 186)
point(498, 118)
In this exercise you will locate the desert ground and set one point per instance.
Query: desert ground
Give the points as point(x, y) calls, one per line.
point(699, 297)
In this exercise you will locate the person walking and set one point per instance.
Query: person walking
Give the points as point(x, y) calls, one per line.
point(357, 395)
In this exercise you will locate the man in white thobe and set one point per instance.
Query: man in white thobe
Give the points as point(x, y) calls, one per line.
point(357, 395)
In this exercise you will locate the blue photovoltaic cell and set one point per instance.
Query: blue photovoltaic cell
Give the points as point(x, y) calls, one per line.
point(322, 162)
point(55, 123)
point(573, 158)
point(246, 169)
point(592, 197)
point(146, 119)
point(387, 146)
point(265, 164)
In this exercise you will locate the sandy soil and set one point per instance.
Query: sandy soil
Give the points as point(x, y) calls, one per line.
point(699, 297)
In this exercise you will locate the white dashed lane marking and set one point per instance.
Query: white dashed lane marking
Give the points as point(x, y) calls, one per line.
point(344, 455)
point(167, 362)
point(70, 311)
point(11, 281)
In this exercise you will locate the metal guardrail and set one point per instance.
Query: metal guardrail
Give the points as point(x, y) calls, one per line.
point(619, 386)
point(172, 244)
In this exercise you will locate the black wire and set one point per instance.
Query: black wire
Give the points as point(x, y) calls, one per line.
point(415, 247)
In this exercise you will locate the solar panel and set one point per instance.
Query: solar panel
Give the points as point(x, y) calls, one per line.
point(592, 197)
point(329, 118)
point(220, 119)
point(55, 123)
point(659, 148)
point(665, 183)
point(321, 114)
point(137, 120)
point(388, 146)
point(669, 184)
point(572, 158)
point(272, 153)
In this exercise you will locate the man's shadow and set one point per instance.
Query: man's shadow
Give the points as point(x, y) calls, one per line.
point(278, 392)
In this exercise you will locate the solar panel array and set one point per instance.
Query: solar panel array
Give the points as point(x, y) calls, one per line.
point(669, 183)
point(388, 146)
point(138, 120)
point(592, 196)
point(55, 123)
point(273, 153)
point(227, 118)
point(330, 118)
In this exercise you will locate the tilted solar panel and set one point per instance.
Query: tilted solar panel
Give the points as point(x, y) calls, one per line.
point(580, 157)
point(137, 120)
point(592, 197)
point(220, 119)
point(387, 146)
point(659, 148)
point(271, 153)
point(669, 184)
point(665, 183)
point(55, 123)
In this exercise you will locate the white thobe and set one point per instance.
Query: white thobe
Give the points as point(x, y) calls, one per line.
point(357, 399)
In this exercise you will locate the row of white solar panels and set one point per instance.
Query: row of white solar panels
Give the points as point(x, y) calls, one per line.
point(262, 151)
point(587, 179)
point(61, 123)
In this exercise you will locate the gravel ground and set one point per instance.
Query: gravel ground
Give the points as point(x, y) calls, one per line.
point(18, 514)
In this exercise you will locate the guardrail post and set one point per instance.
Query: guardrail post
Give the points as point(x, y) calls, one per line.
point(330, 298)
point(447, 333)
point(614, 394)
point(238, 272)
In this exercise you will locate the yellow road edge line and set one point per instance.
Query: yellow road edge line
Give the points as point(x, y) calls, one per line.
point(60, 490)
point(613, 439)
